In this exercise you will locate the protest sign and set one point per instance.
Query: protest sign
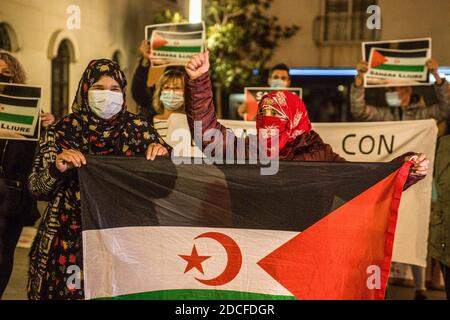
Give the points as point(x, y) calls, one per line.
point(397, 63)
point(20, 112)
point(172, 44)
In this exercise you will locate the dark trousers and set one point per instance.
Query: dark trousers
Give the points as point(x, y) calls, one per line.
point(446, 273)
point(10, 229)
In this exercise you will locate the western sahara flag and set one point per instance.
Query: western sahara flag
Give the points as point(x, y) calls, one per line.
point(400, 61)
point(153, 230)
point(166, 44)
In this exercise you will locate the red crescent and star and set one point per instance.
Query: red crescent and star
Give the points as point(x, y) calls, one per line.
point(234, 257)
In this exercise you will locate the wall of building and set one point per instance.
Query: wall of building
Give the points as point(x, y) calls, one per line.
point(106, 26)
point(401, 19)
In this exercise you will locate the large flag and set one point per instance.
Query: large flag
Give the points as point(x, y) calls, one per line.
point(153, 230)
point(358, 142)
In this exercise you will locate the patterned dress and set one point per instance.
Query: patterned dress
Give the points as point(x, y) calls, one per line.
point(56, 254)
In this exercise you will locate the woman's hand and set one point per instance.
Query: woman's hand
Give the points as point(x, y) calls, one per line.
point(145, 52)
point(198, 65)
point(433, 67)
point(70, 159)
point(362, 67)
point(421, 164)
point(156, 149)
point(47, 119)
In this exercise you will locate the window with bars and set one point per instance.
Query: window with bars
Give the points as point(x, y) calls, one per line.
point(60, 80)
point(344, 21)
point(5, 39)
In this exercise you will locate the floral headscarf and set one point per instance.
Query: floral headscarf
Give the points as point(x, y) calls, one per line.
point(87, 132)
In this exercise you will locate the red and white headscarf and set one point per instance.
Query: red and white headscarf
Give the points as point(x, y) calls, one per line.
point(294, 120)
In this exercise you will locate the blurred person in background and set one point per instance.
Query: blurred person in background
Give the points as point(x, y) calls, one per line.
point(439, 239)
point(402, 105)
point(278, 78)
point(168, 99)
point(17, 207)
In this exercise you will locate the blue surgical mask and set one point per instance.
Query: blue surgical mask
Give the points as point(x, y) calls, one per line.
point(172, 100)
point(393, 99)
point(278, 83)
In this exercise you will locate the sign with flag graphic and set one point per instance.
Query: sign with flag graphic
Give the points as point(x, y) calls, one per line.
point(175, 43)
point(153, 230)
point(253, 96)
point(397, 63)
point(19, 112)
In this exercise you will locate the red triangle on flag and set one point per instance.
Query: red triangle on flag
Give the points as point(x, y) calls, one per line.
point(377, 59)
point(335, 258)
point(158, 41)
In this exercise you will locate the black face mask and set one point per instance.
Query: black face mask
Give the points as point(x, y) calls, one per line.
point(7, 79)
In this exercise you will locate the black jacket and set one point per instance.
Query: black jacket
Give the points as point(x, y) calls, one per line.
point(142, 94)
point(16, 160)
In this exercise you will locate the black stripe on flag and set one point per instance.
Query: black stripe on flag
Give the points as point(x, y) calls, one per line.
point(20, 91)
point(403, 54)
point(18, 102)
point(125, 192)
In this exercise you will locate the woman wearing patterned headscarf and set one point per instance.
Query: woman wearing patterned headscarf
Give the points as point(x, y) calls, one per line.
point(100, 125)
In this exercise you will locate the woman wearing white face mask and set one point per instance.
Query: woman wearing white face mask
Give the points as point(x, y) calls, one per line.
point(168, 99)
point(99, 125)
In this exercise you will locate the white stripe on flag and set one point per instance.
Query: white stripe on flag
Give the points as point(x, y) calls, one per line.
point(130, 260)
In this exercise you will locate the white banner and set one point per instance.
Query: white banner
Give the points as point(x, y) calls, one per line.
point(360, 142)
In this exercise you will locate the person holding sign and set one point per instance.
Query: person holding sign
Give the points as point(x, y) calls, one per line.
point(281, 113)
point(278, 78)
point(17, 207)
point(99, 125)
point(401, 104)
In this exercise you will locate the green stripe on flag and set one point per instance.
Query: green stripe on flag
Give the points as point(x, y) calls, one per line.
point(404, 68)
point(195, 49)
point(199, 295)
point(16, 118)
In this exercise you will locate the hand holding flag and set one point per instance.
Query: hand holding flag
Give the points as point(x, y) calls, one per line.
point(70, 159)
point(421, 164)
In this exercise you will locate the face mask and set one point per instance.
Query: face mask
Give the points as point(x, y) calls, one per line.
point(172, 100)
point(6, 79)
point(105, 103)
point(269, 128)
point(278, 83)
point(393, 99)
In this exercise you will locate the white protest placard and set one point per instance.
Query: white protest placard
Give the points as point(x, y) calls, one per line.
point(397, 63)
point(359, 142)
point(253, 96)
point(172, 44)
point(20, 108)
